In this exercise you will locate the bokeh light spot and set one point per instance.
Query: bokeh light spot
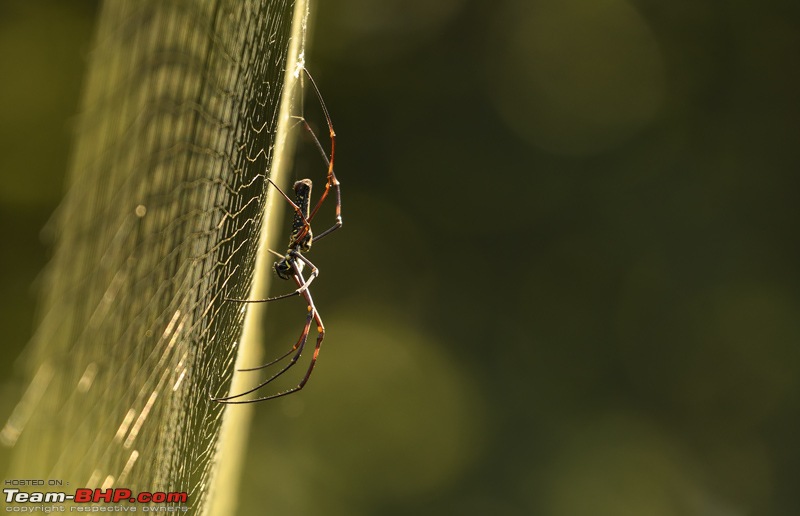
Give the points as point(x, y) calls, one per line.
point(575, 76)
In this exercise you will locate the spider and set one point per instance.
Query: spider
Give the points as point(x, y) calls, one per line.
point(290, 266)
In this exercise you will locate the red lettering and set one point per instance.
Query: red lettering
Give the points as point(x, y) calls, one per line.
point(83, 495)
point(121, 494)
point(177, 497)
point(105, 496)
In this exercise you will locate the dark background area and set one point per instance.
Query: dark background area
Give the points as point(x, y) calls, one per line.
point(567, 281)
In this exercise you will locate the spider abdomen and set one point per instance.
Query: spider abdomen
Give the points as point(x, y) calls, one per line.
point(301, 233)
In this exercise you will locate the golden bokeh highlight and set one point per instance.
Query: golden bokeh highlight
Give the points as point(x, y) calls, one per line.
point(575, 77)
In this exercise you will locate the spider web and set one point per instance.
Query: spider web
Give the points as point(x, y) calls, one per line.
point(160, 224)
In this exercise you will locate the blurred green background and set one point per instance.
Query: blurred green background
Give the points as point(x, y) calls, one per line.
point(567, 283)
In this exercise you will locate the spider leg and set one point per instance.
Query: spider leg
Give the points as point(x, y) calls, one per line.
point(338, 222)
point(297, 349)
point(304, 334)
point(320, 336)
point(301, 340)
point(332, 133)
point(332, 180)
point(302, 120)
point(297, 255)
point(265, 300)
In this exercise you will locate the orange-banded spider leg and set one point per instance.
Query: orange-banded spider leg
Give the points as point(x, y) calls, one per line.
point(332, 180)
point(297, 349)
point(338, 223)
